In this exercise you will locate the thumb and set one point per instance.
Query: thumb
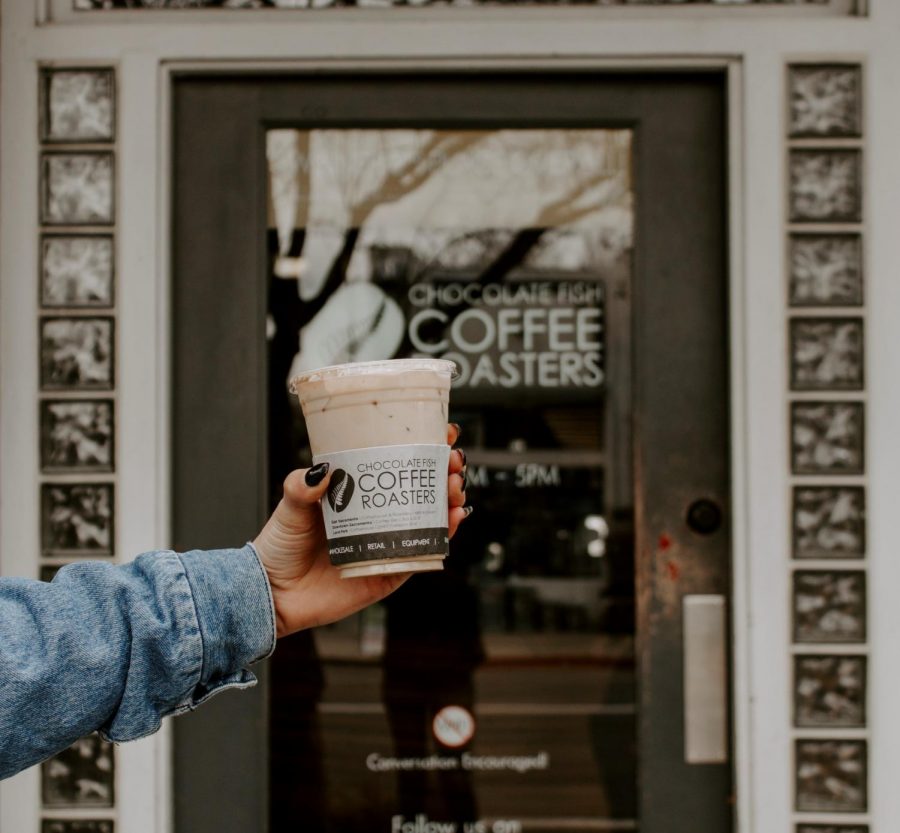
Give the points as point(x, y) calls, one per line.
point(293, 537)
point(305, 487)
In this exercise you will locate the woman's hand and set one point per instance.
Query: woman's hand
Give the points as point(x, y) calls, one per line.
point(307, 589)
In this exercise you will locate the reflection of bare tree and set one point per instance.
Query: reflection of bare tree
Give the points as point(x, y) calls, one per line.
point(362, 194)
point(489, 202)
point(366, 170)
point(596, 177)
point(518, 183)
point(287, 152)
point(586, 197)
point(529, 183)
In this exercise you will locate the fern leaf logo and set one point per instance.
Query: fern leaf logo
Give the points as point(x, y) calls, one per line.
point(340, 490)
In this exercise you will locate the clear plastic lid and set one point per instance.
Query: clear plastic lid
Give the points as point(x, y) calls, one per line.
point(341, 371)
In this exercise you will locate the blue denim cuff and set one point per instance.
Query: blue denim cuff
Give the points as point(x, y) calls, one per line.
point(235, 613)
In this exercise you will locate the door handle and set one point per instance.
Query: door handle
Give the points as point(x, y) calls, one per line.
point(705, 680)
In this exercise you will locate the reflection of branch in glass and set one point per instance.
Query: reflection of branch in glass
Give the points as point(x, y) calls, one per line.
point(601, 189)
point(503, 195)
point(563, 212)
point(287, 152)
point(391, 187)
point(582, 172)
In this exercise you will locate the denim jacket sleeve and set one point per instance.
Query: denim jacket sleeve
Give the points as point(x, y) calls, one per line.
point(117, 648)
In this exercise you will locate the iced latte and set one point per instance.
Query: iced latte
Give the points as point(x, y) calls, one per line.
point(383, 428)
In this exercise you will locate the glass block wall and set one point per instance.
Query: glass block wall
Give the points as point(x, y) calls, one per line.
point(77, 400)
point(91, 5)
point(826, 336)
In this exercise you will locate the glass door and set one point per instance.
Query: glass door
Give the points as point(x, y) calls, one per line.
point(499, 694)
point(561, 236)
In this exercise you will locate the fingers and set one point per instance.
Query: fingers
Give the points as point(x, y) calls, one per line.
point(456, 516)
point(305, 487)
point(457, 460)
point(456, 483)
point(456, 490)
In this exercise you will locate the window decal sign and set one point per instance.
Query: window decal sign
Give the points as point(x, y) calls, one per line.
point(525, 334)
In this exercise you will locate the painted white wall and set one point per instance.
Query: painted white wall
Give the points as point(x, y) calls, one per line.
point(755, 43)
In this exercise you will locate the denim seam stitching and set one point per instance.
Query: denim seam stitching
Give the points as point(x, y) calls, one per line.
point(190, 595)
point(180, 574)
point(271, 600)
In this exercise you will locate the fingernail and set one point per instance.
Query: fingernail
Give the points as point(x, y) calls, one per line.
point(469, 510)
point(465, 477)
point(317, 474)
point(458, 428)
point(463, 455)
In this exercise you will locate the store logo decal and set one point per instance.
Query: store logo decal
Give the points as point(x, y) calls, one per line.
point(340, 490)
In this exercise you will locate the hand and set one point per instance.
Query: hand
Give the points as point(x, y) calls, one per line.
point(307, 589)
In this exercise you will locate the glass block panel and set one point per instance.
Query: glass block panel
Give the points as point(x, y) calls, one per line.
point(78, 105)
point(77, 353)
point(77, 826)
point(825, 186)
point(825, 100)
point(76, 519)
point(77, 435)
point(832, 828)
point(831, 776)
point(826, 270)
point(77, 189)
point(92, 5)
point(829, 522)
point(80, 776)
point(829, 606)
point(829, 691)
point(827, 438)
point(826, 354)
point(76, 270)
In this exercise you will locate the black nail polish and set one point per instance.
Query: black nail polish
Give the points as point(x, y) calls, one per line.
point(317, 474)
point(458, 428)
point(463, 455)
point(469, 510)
point(465, 477)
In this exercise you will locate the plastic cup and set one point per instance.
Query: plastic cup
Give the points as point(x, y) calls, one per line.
point(383, 428)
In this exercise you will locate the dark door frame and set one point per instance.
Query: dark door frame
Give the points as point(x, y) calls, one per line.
point(221, 751)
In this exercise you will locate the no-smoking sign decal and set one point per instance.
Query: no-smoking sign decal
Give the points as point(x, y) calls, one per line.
point(453, 726)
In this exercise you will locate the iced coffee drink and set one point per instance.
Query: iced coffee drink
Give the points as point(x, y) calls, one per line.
point(383, 428)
